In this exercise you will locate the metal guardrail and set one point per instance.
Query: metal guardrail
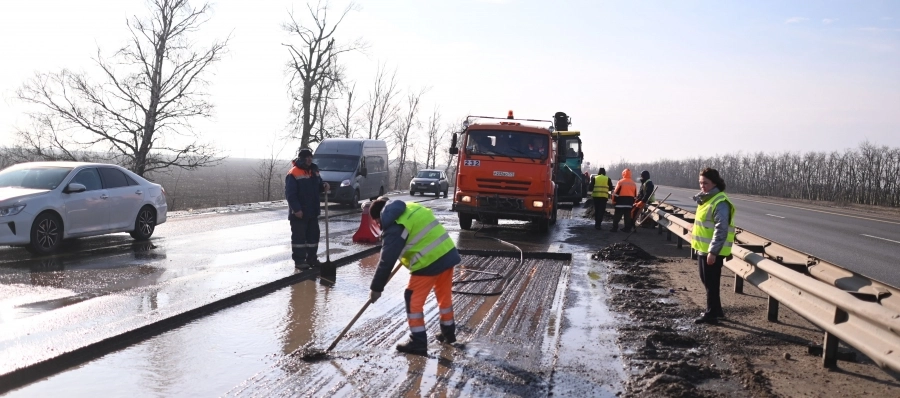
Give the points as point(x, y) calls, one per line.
point(870, 326)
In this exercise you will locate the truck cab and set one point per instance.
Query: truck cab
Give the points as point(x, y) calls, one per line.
point(505, 171)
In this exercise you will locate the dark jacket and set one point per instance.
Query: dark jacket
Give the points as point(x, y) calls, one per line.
point(646, 191)
point(392, 248)
point(302, 189)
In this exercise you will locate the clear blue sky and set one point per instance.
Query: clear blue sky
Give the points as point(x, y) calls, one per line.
point(641, 80)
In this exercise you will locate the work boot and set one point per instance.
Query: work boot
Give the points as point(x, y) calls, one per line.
point(414, 346)
point(314, 262)
point(447, 334)
point(301, 266)
point(707, 318)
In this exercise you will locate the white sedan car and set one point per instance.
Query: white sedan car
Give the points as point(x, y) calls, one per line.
point(42, 203)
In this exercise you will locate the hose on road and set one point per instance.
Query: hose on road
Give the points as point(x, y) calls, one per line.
point(497, 276)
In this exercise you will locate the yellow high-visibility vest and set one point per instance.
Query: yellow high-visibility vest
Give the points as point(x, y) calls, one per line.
point(601, 187)
point(705, 226)
point(426, 238)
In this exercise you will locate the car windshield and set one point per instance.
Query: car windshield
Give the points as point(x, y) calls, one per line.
point(33, 177)
point(343, 163)
point(429, 174)
point(507, 143)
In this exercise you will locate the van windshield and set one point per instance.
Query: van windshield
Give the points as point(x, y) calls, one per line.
point(345, 163)
point(33, 178)
point(507, 143)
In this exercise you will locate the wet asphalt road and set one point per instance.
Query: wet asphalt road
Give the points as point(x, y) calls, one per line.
point(866, 244)
point(533, 339)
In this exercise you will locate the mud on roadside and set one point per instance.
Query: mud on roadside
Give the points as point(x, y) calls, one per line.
point(664, 353)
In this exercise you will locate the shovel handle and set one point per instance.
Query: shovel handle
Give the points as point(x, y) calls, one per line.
point(363, 309)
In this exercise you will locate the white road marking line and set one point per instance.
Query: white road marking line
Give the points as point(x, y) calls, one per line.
point(877, 237)
point(801, 208)
point(772, 215)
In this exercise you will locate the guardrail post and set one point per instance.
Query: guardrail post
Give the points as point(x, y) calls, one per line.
point(680, 243)
point(668, 235)
point(738, 284)
point(773, 310)
point(830, 350)
point(659, 229)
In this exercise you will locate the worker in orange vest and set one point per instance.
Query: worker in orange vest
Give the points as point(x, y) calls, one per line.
point(623, 199)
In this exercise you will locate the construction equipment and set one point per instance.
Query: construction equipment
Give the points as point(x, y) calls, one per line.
point(506, 169)
point(569, 178)
point(312, 354)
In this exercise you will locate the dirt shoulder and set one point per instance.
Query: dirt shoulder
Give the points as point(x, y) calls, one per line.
point(745, 355)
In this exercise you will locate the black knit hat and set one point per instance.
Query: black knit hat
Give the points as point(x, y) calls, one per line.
point(377, 206)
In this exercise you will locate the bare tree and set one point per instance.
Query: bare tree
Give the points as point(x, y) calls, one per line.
point(435, 135)
point(346, 117)
point(140, 113)
point(382, 107)
point(313, 62)
point(408, 121)
point(265, 170)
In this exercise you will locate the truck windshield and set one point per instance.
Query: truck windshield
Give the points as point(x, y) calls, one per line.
point(507, 143)
point(345, 163)
point(33, 178)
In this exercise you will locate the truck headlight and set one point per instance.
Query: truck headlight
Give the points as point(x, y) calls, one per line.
point(466, 199)
point(11, 210)
point(537, 203)
point(345, 183)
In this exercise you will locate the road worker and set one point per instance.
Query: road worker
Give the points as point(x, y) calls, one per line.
point(713, 238)
point(645, 195)
point(412, 234)
point(600, 187)
point(623, 200)
point(302, 189)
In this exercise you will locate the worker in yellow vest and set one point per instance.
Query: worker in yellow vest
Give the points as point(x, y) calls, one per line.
point(712, 239)
point(412, 234)
point(600, 186)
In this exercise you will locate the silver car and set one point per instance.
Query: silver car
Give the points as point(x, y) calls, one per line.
point(42, 203)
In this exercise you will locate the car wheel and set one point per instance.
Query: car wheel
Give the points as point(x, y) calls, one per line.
point(412, 193)
point(465, 221)
point(445, 193)
point(354, 203)
point(46, 234)
point(144, 224)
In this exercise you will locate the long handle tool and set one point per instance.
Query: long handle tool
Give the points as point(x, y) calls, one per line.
point(328, 272)
point(314, 354)
point(644, 217)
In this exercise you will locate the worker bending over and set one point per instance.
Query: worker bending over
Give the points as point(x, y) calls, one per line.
point(412, 234)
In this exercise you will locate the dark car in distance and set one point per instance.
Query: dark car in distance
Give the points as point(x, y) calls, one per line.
point(431, 181)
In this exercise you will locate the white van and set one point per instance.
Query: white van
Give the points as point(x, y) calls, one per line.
point(353, 168)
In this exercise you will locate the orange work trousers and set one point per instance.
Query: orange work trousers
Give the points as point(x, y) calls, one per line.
point(417, 291)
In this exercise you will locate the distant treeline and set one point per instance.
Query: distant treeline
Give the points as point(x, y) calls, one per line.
point(868, 175)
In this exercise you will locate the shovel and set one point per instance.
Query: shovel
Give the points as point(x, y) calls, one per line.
point(328, 273)
point(312, 354)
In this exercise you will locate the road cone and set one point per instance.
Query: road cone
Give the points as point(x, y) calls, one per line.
point(368, 231)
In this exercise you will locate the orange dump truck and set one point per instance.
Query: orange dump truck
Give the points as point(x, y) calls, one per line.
point(505, 171)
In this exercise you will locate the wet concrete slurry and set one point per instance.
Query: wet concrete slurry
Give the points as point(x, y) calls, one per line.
point(548, 332)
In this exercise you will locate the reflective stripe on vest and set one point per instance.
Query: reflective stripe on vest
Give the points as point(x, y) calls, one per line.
point(601, 186)
point(644, 188)
point(705, 226)
point(426, 238)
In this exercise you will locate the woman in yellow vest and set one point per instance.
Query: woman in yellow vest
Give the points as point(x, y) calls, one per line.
point(412, 234)
point(713, 237)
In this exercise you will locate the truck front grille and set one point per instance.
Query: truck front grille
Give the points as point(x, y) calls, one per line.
point(506, 185)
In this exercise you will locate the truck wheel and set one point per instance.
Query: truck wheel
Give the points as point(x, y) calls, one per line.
point(553, 213)
point(465, 221)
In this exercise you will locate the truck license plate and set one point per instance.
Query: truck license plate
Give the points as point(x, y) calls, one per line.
point(504, 174)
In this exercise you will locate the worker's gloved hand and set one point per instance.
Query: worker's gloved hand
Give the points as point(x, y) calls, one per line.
point(374, 296)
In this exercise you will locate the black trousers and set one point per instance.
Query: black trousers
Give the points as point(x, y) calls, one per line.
point(599, 210)
point(617, 216)
point(304, 239)
point(711, 275)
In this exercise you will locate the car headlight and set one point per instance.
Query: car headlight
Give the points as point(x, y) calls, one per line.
point(431, 183)
point(11, 210)
point(345, 183)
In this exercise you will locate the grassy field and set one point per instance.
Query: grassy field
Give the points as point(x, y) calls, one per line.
point(233, 181)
